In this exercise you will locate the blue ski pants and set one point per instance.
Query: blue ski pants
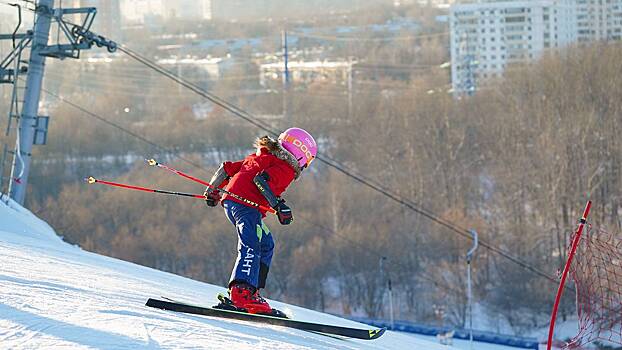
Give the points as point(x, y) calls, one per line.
point(255, 244)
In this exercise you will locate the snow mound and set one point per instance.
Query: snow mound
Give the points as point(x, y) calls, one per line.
point(16, 219)
point(55, 295)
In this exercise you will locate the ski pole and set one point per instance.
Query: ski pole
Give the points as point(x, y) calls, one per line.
point(91, 180)
point(153, 162)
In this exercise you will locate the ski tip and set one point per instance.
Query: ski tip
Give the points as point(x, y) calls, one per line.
point(152, 162)
point(376, 333)
point(152, 302)
point(222, 297)
point(160, 304)
point(90, 180)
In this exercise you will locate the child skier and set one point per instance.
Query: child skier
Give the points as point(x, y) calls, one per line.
point(260, 177)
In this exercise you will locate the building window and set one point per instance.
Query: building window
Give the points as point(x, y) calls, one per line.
point(515, 19)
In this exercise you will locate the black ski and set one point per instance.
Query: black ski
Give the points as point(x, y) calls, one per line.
point(358, 333)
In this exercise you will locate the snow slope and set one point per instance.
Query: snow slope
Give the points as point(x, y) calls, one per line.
point(54, 295)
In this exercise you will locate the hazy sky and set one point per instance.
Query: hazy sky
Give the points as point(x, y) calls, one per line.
point(8, 16)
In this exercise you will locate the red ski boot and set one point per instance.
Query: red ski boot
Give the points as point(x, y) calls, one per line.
point(244, 297)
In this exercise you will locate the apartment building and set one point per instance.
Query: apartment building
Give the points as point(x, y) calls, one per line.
point(139, 12)
point(599, 20)
point(306, 72)
point(486, 36)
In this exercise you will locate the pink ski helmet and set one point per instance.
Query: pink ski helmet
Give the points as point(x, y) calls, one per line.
point(299, 143)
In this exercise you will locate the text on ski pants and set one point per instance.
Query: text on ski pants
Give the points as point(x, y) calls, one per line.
point(255, 242)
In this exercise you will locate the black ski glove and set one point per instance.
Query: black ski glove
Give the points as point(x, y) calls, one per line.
point(212, 197)
point(284, 213)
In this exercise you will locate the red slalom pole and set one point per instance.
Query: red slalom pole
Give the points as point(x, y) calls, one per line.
point(560, 289)
point(153, 162)
point(91, 180)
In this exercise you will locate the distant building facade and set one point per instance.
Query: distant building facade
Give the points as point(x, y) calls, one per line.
point(212, 67)
point(139, 12)
point(188, 9)
point(488, 35)
point(599, 20)
point(306, 72)
point(108, 19)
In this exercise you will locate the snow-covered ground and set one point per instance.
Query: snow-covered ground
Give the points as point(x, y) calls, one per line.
point(54, 295)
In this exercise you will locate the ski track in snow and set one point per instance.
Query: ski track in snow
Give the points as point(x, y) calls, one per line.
point(57, 296)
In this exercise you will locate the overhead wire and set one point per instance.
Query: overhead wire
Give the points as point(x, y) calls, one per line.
point(147, 79)
point(121, 128)
point(325, 159)
point(359, 39)
point(196, 89)
point(133, 134)
point(378, 255)
point(139, 88)
point(340, 168)
point(422, 275)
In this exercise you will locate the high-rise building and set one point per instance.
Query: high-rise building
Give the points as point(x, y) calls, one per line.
point(108, 19)
point(139, 12)
point(486, 36)
point(188, 9)
point(599, 20)
point(145, 11)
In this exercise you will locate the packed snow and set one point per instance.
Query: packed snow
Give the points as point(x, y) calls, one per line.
point(55, 295)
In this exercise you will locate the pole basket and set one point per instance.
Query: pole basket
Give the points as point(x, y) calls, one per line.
point(597, 275)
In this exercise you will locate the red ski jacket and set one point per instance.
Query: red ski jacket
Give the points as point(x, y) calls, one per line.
point(244, 171)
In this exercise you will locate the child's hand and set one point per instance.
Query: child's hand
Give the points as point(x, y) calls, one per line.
point(284, 213)
point(212, 198)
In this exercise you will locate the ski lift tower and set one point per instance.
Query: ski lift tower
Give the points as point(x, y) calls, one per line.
point(24, 110)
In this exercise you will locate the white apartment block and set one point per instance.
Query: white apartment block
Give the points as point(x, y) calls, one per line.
point(188, 9)
point(306, 72)
point(436, 3)
point(599, 20)
point(144, 11)
point(486, 36)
